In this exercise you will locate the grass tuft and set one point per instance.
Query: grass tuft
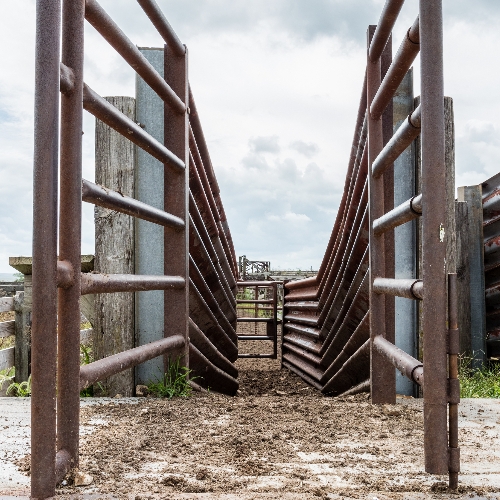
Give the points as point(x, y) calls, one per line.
point(174, 383)
point(479, 383)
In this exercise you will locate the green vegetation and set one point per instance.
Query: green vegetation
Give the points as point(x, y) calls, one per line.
point(19, 277)
point(7, 376)
point(173, 383)
point(479, 383)
point(21, 389)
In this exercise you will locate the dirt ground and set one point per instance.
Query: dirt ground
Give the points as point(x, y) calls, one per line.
point(277, 437)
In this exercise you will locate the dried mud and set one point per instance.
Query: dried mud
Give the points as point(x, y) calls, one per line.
point(277, 437)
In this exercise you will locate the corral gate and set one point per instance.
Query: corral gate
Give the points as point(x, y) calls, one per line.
point(339, 325)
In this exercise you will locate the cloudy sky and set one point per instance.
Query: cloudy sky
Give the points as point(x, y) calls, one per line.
point(277, 85)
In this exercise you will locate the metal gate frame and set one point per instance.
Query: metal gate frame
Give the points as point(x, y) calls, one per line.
point(57, 283)
point(437, 290)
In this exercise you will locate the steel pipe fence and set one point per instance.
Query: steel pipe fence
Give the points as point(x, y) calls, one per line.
point(339, 326)
point(200, 269)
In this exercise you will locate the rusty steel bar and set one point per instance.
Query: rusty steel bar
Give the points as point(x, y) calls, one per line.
point(434, 238)
point(357, 389)
point(107, 198)
point(407, 288)
point(153, 11)
point(256, 283)
point(176, 201)
point(255, 337)
point(405, 135)
point(407, 52)
point(44, 308)
point(70, 216)
point(252, 301)
point(103, 368)
point(275, 320)
point(67, 79)
point(403, 213)
point(410, 367)
point(203, 344)
point(110, 31)
point(112, 283)
point(63, 465)
point(252, 320)
point(107, 113)
point(454, 383)
point(386, 22)
point(382, 376)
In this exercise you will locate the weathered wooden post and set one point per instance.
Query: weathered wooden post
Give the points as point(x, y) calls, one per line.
point(114, 248)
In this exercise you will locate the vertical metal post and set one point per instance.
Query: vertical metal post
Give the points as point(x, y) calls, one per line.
point(454, 383)
point(275, 319)
point(68, 394)
point(44, 315)
point(405, 236)
point(176, 188)
point(381, 373)
point(434, 238)
point(149, 238)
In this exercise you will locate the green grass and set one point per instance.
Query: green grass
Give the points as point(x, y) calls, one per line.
point(479, 383)
point(173, 383)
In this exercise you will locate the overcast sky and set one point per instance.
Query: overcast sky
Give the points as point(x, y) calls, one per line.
point(277, 86)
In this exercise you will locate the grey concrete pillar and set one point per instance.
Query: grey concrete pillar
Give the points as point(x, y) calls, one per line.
point(149, 237)
point(405, 236)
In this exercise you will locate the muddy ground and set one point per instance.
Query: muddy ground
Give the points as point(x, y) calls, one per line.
point(277, 437)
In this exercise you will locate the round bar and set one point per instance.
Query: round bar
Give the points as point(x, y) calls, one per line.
point(386, 22)
point(44, 308)
point(406, 54)
point(70, 217)
point(410, 367)
point(404, 136)
point(111, 283)
point(110, 31)
point(434, 325)
point(99, 370)
point(407, 288)
point(108, 114)
point(407, 211)
point(153, 11)
point(103, 197)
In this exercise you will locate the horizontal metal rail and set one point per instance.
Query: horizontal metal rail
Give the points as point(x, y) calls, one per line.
point(256, 283)
point(409, 366)
point(250, 301)
point(150, 7)
point(387, 21)
point(407, 211)
point(107, 113)
point(408, 51)
point(256, 356)
point(407, 288)
point(104, 197)
point(254, 320)
point(404, 136)
point(103, 368)
point(111, 283)
point(110, 31)
point(255, 337)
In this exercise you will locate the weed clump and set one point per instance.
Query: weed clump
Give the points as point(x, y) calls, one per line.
point(173, 383)
point(480, 382)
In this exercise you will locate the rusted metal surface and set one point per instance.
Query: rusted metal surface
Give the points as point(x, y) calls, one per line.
point(339, 326)
point(491, 237)
point(103, 368)
point(194, 222)
point(110, 31)
point(103, 197)
point(45, 191)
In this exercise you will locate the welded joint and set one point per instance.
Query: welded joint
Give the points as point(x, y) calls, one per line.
point(413, 33)
point(65, 274)
point(415, 119)
point(454, 460)
point(453, 391)
point(417, 289)
point(66, 79)
point(453, 341)
point(416, 204)
point(417, 375)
